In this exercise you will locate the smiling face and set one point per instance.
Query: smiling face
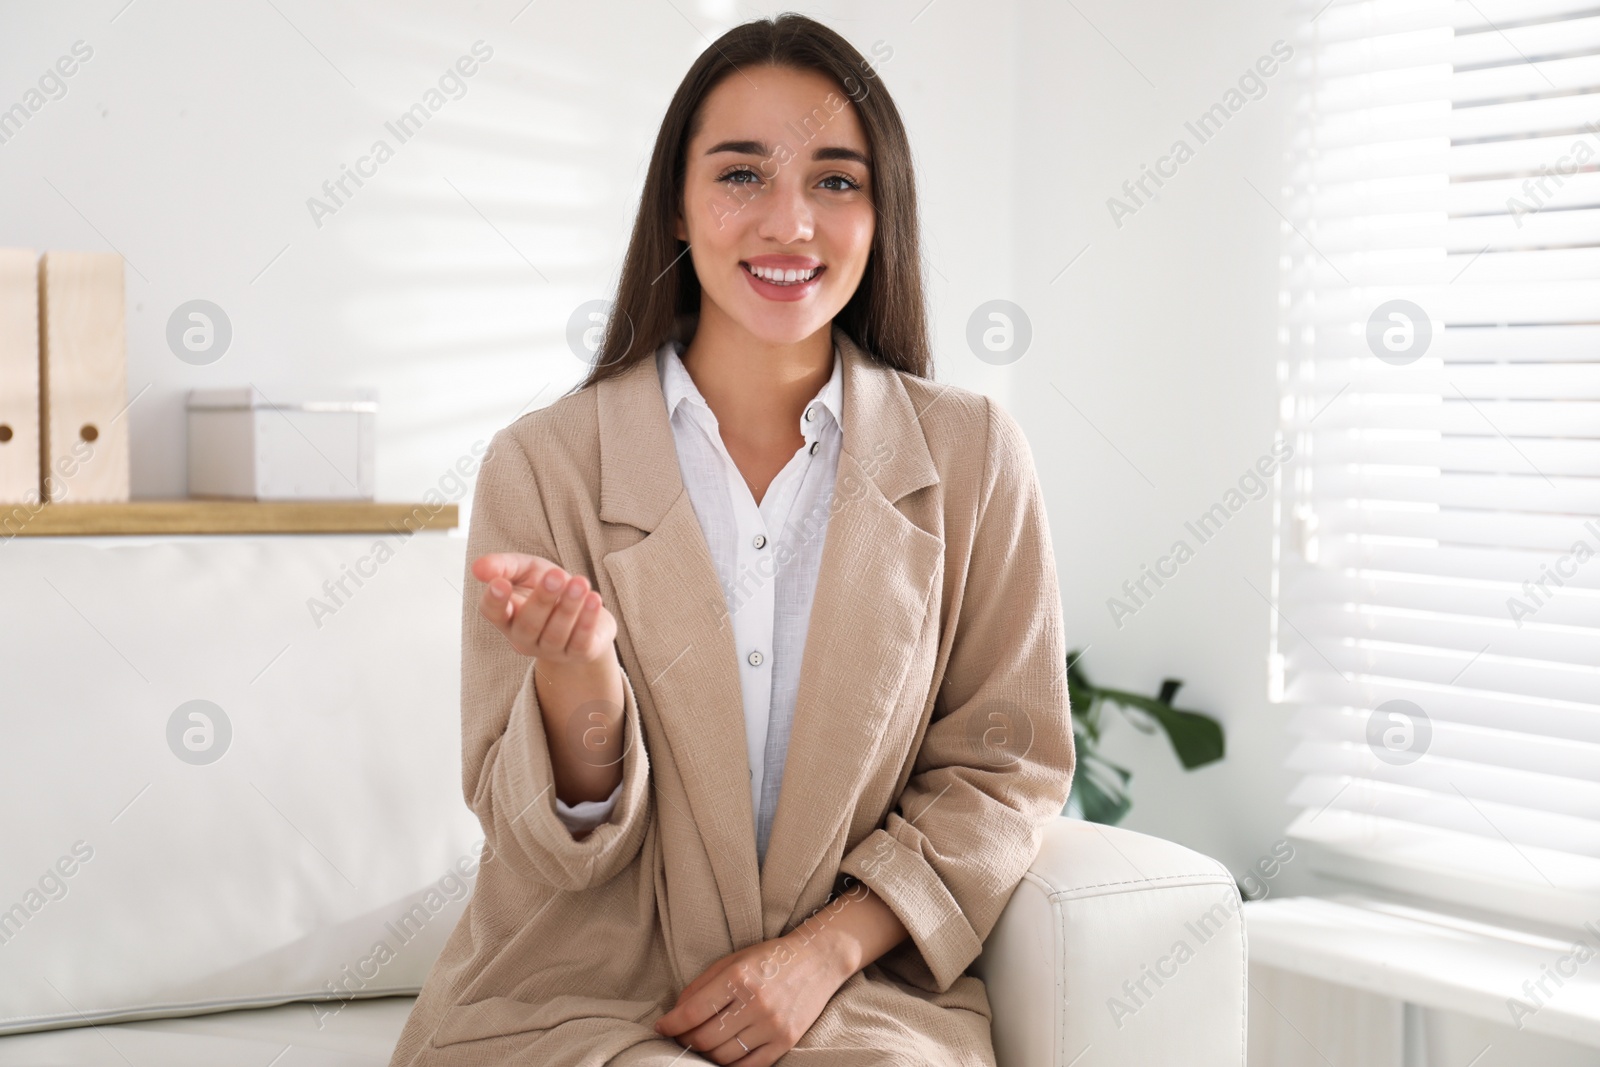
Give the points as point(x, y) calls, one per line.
point(765, 209)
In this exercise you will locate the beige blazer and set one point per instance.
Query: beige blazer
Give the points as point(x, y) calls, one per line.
point(931, 739)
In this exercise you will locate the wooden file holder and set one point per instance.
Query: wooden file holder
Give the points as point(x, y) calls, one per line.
point(19, 376)
point(83, 378)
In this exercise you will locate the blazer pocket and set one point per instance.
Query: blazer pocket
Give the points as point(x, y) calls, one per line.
point(501, 1016)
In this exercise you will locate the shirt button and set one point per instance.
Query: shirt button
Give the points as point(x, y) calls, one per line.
point(755, 659)
point(814, 447)
point(759, 540)
point(811, 412)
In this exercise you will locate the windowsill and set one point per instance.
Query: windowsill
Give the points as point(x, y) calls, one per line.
point(1373, 856)
point(1432, 959)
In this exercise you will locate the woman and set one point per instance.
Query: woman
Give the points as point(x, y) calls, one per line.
point(758, 537)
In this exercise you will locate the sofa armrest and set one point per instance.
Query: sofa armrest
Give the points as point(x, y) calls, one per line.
point(1117, 948)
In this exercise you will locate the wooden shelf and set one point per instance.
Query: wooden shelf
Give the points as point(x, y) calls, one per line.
point(223, 517)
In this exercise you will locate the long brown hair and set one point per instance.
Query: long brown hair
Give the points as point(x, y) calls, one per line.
point(658, 294)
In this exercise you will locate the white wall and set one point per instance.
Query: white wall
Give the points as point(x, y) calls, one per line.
point(194, 136)
point(1154, 385)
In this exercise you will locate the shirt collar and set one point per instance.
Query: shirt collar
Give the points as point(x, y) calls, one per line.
point(677, 386)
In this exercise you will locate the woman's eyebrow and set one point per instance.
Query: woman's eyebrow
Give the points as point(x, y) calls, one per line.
point(759, 148)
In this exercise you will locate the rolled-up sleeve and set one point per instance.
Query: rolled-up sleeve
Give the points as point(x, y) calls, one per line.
point(996, 762)
point(587, 814)
point(507, 776)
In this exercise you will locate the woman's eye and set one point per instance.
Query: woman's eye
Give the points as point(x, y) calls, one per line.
point(849, 184)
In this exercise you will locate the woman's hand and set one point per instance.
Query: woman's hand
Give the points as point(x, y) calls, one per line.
point(558, 620)
point(544, 611)
point(766, 995)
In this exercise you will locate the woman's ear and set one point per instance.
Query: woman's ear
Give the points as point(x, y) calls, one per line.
point(678, 229)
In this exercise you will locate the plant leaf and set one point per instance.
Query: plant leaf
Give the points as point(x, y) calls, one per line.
point(1100, 789)
point(1196, 738)
point(1101, 803)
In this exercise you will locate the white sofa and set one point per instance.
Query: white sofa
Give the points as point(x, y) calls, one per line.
point(1101, 906)
point(217, 889)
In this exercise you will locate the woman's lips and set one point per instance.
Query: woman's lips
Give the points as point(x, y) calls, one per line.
point(781, 292)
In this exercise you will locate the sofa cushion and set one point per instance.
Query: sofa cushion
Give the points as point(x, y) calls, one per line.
point(355, 1033)
point(232, 774)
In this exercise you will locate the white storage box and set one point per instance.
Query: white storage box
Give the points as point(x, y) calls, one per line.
point(243, 446)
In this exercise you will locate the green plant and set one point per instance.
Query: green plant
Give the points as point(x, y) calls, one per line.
point(1100, 787)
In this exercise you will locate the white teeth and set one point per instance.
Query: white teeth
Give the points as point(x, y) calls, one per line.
point(782, 277)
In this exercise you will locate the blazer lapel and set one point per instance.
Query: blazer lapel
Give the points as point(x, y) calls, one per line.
point(878, 569)
point(682, 637)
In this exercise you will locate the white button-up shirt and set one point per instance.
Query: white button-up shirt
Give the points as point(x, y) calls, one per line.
point(767, 558)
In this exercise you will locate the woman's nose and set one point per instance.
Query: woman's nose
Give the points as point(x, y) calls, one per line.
point(786, 216)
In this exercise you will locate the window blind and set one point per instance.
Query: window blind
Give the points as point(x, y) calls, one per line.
point(1436, 589)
